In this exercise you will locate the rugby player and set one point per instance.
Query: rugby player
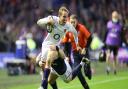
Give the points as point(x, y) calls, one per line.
point(60, 67)
point(84, 40)
point(56, 27)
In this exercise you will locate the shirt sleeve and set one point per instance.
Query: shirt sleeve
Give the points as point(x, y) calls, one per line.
point(42, 22)
point(85, 32)
point(109, 25)
point(73, 30)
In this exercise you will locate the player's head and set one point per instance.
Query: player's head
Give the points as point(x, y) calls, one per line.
point(73, 20)
point(115, 16)
point(63, 14)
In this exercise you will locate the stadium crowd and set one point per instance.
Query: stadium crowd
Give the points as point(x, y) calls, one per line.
point(18, 17)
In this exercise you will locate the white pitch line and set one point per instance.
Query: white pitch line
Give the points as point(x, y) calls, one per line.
point(99, 82)
point(109, 80)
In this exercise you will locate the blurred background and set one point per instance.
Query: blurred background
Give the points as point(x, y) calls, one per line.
point(21, 38)
point(18, 17)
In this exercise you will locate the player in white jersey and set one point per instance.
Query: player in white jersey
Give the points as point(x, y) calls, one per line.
point(56, 32)
point(57, 27)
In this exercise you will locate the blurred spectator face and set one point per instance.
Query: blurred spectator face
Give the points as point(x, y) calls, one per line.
point(115, 16)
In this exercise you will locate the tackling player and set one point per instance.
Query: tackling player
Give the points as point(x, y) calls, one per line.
point(60, 67)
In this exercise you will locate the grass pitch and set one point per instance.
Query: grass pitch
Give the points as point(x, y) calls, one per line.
point(99, 80)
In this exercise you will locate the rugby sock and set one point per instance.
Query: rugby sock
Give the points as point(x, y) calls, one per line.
point(76, 70)
point(45, 78)
point(54, 85)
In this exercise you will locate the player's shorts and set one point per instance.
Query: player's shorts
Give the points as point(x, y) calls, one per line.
point(67, 76)
point(113, 48)
point(44, 52)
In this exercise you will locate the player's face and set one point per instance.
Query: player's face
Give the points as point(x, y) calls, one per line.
point(73, 22)
point(63, 17)
point(115, 16)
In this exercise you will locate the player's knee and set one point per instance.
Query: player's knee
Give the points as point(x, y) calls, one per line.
point(51, 81)
point(51, 55)
point(108, 53)
point(41, 64)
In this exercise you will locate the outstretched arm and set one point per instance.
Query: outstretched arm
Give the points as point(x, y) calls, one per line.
point(46, 21)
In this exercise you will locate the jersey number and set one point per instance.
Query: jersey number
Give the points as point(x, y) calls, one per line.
point(56, 36)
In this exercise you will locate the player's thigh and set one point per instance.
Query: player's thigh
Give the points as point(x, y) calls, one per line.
point(54, 54)
point(51, 56)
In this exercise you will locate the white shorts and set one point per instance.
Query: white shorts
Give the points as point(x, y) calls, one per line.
point(42, 56)
point(44, 52)
point(67, 76)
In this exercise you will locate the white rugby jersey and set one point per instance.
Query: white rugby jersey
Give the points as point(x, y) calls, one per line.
point(58, 31)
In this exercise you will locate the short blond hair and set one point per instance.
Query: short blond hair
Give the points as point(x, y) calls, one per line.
point(63, 8)
point(73, 16)
point(115, 14)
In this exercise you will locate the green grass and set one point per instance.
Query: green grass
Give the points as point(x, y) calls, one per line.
point(99, 81)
